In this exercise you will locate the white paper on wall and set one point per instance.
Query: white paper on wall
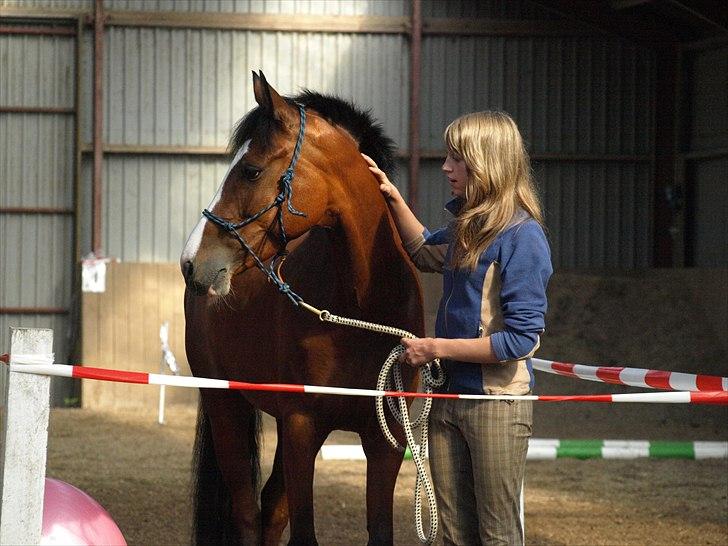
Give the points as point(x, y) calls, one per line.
point(93, 275)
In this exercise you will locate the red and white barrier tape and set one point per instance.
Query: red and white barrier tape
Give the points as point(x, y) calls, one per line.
point(122, 376)
point(635, 377)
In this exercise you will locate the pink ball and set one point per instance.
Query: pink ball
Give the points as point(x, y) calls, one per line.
point(73, 518)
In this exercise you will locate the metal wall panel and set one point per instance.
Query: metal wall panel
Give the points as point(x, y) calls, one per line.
point(595, 213)
point(36, 170)
point(706, 78)
point(152, 203)
point(567, 94)
point(189, 87)
point(36, 160)
point(493, 9)
point(592, 211)
point(709, 196)
point(706, 142)
point(27, 60)
point(570, 96)
point(496, 9)
point(36, 270)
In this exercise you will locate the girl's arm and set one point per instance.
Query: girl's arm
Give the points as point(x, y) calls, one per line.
point(422, 350)
point(408, 226)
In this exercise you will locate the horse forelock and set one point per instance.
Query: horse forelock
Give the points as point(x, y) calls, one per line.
point(255, 124)
point(360, 124)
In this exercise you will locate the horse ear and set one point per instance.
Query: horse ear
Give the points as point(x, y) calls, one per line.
point(260, 90)
point(269, 99)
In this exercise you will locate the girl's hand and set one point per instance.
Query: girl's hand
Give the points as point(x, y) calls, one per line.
point(418, 351)
point(388, 189)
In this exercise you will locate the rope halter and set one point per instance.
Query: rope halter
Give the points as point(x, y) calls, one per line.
point(285, 195)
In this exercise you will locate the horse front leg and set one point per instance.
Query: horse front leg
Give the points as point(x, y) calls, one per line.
point(233, 421)
point(273, 499)
point(301, 442)
point(383, 463)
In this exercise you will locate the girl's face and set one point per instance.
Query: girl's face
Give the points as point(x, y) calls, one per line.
point(457, 174)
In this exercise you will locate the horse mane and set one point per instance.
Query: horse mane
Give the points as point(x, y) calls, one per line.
point(359, 123)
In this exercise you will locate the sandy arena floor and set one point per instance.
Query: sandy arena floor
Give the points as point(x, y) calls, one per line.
point(667, 320)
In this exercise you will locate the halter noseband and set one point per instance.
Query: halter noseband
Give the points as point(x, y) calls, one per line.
point(284, 196)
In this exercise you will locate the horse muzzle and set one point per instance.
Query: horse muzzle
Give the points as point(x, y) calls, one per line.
point(210, 278)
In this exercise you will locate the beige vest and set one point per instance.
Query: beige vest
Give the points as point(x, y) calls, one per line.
point(508, 376)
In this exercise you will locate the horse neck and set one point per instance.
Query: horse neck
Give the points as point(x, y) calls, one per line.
point(372, 245)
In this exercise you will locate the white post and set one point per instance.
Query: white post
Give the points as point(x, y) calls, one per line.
point(164, 338)
point(160, 418)
point(24, 439)
point(168, 361)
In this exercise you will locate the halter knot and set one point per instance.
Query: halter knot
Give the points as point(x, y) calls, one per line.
point(287, 177)
point(287, 192)
point(219, 222)
point(285, 289)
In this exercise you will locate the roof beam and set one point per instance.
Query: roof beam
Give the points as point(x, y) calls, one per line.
point(704, 15)
point(355, 24)
point(626, 4)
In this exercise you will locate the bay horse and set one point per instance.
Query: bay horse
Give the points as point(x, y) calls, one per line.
point(297, 188)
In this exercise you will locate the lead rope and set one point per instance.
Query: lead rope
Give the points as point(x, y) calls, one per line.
point(390, 378)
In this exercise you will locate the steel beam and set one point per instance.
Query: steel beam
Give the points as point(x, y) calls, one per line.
point(98, 115)
point(414, 102)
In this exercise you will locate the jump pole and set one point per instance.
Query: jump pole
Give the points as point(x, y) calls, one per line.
point(25, 411)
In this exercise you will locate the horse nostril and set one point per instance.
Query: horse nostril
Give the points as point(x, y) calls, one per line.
point(187, 269)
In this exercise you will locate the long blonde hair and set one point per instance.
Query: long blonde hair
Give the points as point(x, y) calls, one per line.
point(499, 181)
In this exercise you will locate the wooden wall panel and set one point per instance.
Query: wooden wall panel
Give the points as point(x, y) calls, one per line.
point(121, 331)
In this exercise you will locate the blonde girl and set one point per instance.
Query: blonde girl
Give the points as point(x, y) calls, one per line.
point(496, 263)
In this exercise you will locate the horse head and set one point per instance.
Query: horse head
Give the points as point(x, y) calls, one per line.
point(272, 193)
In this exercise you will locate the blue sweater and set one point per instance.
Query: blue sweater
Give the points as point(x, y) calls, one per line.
point(504, 297)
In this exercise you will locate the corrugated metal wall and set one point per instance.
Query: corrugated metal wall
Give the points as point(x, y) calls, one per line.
point(583, 105)
point(705, 157)
point(189, 87)
point(583, 102)
point(37, 171)
point(572, 96)
point(150, 204)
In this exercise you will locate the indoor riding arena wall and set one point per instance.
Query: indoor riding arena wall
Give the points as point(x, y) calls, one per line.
point(121, 331)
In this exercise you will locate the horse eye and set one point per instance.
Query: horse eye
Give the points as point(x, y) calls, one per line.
point(250, 172)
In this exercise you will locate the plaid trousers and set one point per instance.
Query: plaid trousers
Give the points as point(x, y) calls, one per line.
point(478, 459)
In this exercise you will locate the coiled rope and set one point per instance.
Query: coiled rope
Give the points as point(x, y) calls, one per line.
point(390, 378)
